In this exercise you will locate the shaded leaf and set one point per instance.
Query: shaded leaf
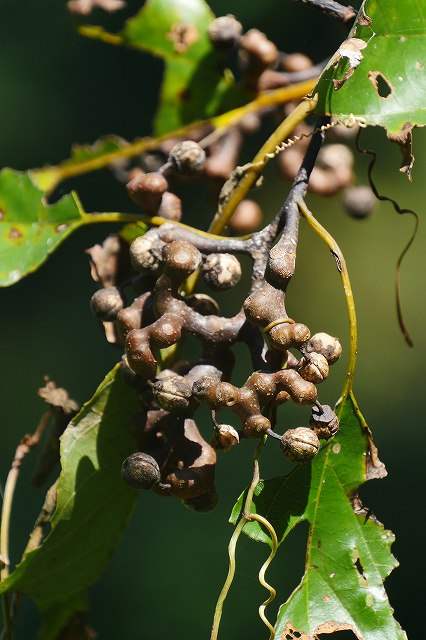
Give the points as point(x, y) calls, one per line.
point(386, 83)
point(83, 158)
point(93, 506)
point(348, 551)
point(195, 84)
point(30, 228)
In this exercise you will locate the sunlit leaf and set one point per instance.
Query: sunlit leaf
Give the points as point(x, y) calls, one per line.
point(30, 228)
point(93, 506)
point(348, 551)
point(387, 85)
point(196, 85)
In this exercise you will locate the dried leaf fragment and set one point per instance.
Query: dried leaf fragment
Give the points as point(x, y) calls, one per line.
point(404, 139)
point(84, 7)
point(57, 397)
point(109, 262)
point(350, 49)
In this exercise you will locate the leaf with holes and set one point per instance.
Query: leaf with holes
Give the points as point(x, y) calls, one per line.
point(93, 506)
point(379, 73)
point(348, 551)
point(196, 85)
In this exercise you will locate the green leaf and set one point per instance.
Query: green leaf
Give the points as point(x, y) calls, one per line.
point(348, 551)
point(93, 506)
point(82, 156)
point(195, 84)
point(388, 86)
point(30, 229)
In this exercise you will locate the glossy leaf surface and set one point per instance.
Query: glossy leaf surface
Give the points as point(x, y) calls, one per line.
point(30, 228)
point(348, 551)
point(387, 83)
point(93, 506)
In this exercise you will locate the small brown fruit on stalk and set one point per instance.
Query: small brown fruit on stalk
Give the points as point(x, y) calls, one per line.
point(170, 207)
point(324, 421)
point(181, 257)
point(359, 202)
point(172, 393)
point(146, 254)
point(313, 367)
point(294, 62)
point(225, 437)
point(107, 303)
point(247, 217)
point(262, 52)
point(187, 158)
point(221, 271)
point(140, 471)
point(225, 32)
point(147, 190)
point(300, 445)
point(328, 346)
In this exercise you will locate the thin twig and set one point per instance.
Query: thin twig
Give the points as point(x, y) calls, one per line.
point(25, 446)
point(48, 178)
point(332, 9)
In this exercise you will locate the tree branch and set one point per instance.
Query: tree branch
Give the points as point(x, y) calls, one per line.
point(332, 9)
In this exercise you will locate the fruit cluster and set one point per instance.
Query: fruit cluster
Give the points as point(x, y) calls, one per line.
point(174, 458)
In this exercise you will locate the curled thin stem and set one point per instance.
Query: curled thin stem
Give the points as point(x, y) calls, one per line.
point(350, 302)
point(245, 517)
point(272, 592)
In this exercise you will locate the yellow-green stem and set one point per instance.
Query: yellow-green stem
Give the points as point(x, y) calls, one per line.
point(350, 302)
point(245, 517)
point(48, 178)
point(281, 133)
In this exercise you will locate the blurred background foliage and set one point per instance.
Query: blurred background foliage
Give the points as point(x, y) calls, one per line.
point(163, 580)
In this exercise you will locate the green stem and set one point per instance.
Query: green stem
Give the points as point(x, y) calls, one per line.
point(245, 517)
point(48, 178)
point(262, 157)
point(350, 302)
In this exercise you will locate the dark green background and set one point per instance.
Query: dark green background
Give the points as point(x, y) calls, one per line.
point(162, 582)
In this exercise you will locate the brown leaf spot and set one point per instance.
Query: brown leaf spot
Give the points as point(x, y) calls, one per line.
point(419, 66)
point(326, 598)
point(375, 469)
point(364, 20)
point(2, 214)
point(403, 39)
point(183, 36)
point(337, 448)
point(61, 227)
point(404, 139)
point(15, 233)
point(381, 84)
